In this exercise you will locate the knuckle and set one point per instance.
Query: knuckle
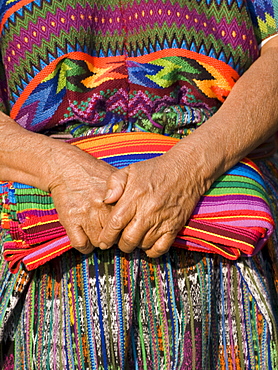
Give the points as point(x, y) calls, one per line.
point(161, 249)
point(115, 175)
point(116, 222)
point(154, 204)
point(80, 242)
point(145, 246)
point(126, 248)
point(148, 241)
point(130, 240)
point(84, 249)
point(163, 246)
point(74, 210)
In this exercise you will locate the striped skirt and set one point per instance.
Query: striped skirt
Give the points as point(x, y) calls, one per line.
point(110, 310)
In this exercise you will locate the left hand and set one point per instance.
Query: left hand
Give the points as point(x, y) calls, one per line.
point(154, 200)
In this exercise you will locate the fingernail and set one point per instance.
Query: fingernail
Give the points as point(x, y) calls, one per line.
point(103, 245)
point(108, 194)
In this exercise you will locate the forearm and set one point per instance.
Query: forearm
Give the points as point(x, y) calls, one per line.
point(248, 117)
point(35, 159)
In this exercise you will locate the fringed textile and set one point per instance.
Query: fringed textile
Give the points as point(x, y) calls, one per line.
point(94, 67)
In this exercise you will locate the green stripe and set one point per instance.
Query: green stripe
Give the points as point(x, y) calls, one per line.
point(240, 341)
point(192, 328)
point(142, 343)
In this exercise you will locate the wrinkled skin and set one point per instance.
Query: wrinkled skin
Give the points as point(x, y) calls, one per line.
point(78, 192)
point(155, 199)
point(150, 201)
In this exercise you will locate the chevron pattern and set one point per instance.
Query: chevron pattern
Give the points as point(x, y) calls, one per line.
point(58, 53)
point(87, 67)
point(214, 79)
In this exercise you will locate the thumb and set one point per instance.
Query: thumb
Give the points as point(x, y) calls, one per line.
point(115, 186)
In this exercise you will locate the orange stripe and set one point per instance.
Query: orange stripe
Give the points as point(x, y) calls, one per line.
point(227, 71)
point(196, 240)
point(12, 10)
point(118, 137)
point(217, 236)
point(128, 140)
point(77, 55)
point(231, 194)
point(232, 217)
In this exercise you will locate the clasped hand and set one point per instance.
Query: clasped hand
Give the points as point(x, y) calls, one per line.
point(143, 205)
point(154, 199)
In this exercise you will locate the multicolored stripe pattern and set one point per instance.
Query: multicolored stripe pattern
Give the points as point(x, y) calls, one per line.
point(185, 310)
point(231, 219)
point(109, 66)
point(112, 311)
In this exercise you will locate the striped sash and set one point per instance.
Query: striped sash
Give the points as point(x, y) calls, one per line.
point(232, 219)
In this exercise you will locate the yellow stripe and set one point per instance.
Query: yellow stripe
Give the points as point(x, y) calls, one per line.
point(221, 237)
point(232, 217)
point(232, 194)
point(127, 139)
point(32, 209)
point(123, 154)
point(251, 165)
point(16, 241)
point(214, 246)
point(116, 146)
point(48, 255)
point(40, 223)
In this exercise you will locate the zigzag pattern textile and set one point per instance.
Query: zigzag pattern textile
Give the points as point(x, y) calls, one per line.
point(89, 67)
point(107, 66)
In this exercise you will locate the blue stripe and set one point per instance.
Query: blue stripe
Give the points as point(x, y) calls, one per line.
point(120, 161)
point(102, 333)
point(88, 311)
point(134, 349)
point(223, 314)
point(172, 309)
point(119, 304)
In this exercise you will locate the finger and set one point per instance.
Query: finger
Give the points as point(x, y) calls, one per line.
point(92, 231)
point(79, 240)
point(118, 219)
point(115, 186)
point(161, 246)
point(150, 238)
point(132, 236)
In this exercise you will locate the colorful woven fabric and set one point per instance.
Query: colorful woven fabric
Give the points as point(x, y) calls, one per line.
point(232, 218)
point(164, 66)
point(100, 67)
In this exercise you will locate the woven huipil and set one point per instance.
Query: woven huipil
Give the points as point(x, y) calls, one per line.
point(91, 67)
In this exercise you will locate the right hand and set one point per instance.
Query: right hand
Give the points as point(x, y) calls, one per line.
point(78, 191)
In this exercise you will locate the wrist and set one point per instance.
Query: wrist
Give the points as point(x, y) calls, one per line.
point(202, 155)
point(70, 162)
point(193, 165)
point(29, 157)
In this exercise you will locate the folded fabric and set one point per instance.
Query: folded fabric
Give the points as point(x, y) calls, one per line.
point(232, 219)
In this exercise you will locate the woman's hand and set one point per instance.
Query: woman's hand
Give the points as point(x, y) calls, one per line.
point(76, 180)
point(78, 192)
point(154, 200)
